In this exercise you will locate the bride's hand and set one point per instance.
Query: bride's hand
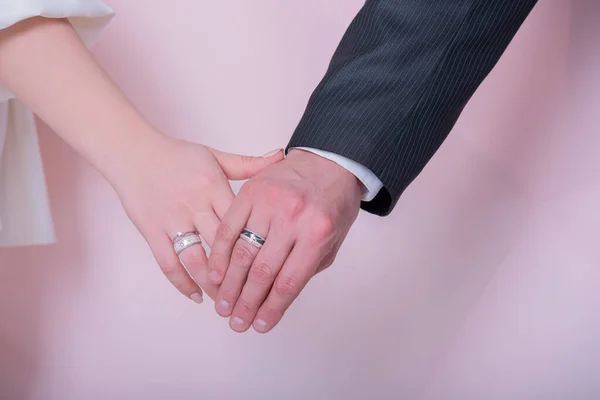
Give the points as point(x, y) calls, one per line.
point(166, 185)
point(176, 186)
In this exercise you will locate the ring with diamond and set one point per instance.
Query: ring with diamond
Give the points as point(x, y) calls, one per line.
point(183, 240)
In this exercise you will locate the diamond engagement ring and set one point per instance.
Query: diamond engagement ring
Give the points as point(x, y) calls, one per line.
point(184, 240)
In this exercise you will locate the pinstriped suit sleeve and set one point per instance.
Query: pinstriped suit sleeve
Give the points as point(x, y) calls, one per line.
point(399, 80)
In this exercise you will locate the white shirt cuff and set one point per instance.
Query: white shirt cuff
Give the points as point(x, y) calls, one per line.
point(371, 182)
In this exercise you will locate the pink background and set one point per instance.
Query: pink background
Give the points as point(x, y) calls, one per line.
point(483, 284)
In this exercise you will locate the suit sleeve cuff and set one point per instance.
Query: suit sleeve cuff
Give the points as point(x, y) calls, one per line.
point(370, 181)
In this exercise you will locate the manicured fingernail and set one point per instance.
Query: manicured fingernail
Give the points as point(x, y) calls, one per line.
point(236, 323)
point(197, 297)
point(260, 325)
point(272, 153)
point(214, 276)
point(223, 306)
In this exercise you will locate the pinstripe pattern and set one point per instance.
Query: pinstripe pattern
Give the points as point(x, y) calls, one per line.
point(399, 80)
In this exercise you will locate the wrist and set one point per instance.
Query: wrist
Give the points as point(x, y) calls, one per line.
point(324, 165)
point(120, 156)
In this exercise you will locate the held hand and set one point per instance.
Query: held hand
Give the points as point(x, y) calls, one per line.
point(175, 186)
point(303, 207)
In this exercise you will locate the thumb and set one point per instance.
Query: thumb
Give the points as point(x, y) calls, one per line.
point(238, 167)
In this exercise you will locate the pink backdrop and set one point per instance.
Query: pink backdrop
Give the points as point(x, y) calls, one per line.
point(481, 285)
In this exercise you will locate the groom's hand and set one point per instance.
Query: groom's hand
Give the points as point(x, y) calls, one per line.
point(303, 206)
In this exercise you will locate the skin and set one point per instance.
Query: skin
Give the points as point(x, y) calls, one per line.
point(165, 185)
point(304, 207)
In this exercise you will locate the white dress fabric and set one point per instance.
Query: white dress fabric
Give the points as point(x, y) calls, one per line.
point(24, 208)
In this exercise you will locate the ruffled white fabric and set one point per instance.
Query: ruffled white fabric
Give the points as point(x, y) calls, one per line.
point(25, 217)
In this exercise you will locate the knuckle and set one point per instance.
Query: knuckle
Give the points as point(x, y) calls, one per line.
point(249, 187)
point(243, 307)
point(246, 164)
point(169, 269)
point(324, 265)
point(207, 180)
point(242, 255)
point(270, 314)
point(192, 255)
point(271, 192)
point(262, 273)
point(224, 233)
point(246, 160)
point(217, 261)
point(295, 203)
point(287, 285)
point(228, 294)
point(327, 261)
point(253, 190)
point(322, 226)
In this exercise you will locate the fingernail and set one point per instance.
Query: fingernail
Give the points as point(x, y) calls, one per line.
point(236, 323)
point(272, 153)
point(214, 276)
point(197, 297)
point(223, 306)
point(260, 325)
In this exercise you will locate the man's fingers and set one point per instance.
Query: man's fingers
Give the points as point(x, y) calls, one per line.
point(297, 270)
point(226, 236)
point(261, 276)
point(242, 257)
point(329, 258)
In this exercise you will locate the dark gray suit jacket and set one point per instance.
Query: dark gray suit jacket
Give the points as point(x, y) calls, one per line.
point(399, 80)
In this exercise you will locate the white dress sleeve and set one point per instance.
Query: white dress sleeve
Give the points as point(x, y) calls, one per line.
point(24, 208)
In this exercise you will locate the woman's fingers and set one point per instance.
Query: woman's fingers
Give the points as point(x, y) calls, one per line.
point(195, 262)
point(238, 167)
point(227, 235)
point(207, 224)
point(242, 257)
point(261, 275)
point(194, 258)
point(192, 254)
point(222, 200)
point(172, 268)
point(178, 186)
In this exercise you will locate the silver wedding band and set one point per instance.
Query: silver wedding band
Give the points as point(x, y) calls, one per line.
point(252, 237)
point(183, 240)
